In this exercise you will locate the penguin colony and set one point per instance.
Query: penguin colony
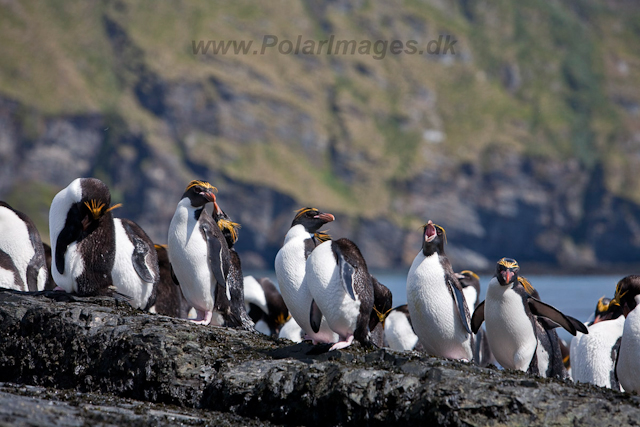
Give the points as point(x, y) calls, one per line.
point(326, 292)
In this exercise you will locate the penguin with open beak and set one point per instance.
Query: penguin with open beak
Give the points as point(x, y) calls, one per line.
point(519, 327)
point(199, 253)
point(437, 305)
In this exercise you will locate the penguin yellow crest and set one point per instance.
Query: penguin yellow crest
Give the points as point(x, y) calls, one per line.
point(382, 316)
point(322, 236)
point(95, 208)
point(470, 273)
point(230, 226)
point(527, 285)
point(204, 184)
point(302, 211)
point(602, 307)
point(508, 263)
point(619, 294)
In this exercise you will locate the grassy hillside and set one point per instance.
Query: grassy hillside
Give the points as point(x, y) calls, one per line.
point(540, 79)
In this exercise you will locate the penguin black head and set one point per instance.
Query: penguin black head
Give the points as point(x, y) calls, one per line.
point(606, 311)
point(311, 219)
point(200, 193)
point(507, 271)
point(469, 278)
point(626, 292)
point(434, 239)
point(382, 303)
point(94, 202)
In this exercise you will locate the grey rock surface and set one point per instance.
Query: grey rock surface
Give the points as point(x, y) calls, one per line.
point(131, 367)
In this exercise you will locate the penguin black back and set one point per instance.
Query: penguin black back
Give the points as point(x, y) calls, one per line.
point(234, 312)
point(35, 272)
point(88, 222)
point(382, 306)
point(169, 299)
point(344, 250)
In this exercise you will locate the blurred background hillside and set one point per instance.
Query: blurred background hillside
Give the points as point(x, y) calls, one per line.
point(523, 142)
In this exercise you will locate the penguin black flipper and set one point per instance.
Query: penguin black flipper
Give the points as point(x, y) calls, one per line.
point(347, 271)
point(315, 316)
point(217, 262)
point(615, 355)
point(69, 234)
point(7, 263)
point(542, 309)
point(458, 297)
point(547, 324)
point(173, 276)
point(477, 318)
point(141, 250)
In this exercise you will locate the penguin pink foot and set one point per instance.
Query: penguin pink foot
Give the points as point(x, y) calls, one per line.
point(203, 318)
point(342, 344)
point(59, 289)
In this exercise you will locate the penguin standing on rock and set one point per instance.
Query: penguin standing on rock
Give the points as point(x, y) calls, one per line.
point(593, 356)
point(95, 254)
point(470, 283)
point(199, 253)
point(82, 235)
point(22, 257)
point(436, 302)
point(235, 314)
point(135, 270)
point(628, 364)
point(343, 290)
point(519, 327)
point(382, 306)
point(300, 241)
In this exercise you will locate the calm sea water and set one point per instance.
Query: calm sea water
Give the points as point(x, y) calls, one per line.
point(575, 296)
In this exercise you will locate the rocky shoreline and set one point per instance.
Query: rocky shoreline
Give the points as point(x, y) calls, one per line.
point(66, 360)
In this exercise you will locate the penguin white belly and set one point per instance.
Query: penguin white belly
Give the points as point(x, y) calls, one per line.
point(398, 332)
point(510, 333)
point(73, 267)
point(290, 267)
point(433, 311)
point(15, 241)
point(470, 296)
point(188, 254)
point(7, 280)
point(254, 294)
point(629, 360)
point(263, 328)
point(291, 331)
point(591, 354)
point(325, 285)
point(124, 276)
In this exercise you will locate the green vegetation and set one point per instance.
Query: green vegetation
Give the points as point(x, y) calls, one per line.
point(536, 77)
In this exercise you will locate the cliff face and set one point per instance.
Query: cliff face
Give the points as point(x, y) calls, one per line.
point(102, 362)
point(521, 140)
